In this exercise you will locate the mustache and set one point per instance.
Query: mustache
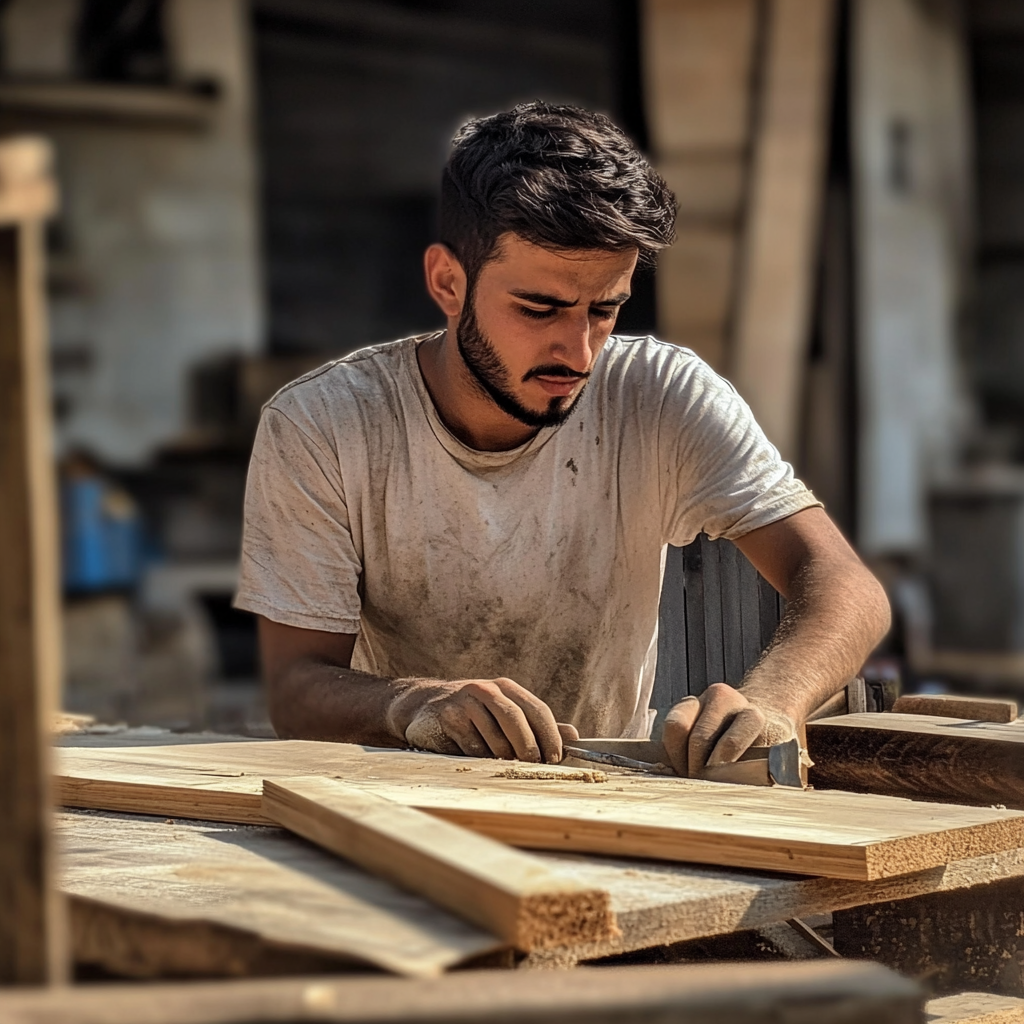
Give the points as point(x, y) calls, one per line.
point(554, 370)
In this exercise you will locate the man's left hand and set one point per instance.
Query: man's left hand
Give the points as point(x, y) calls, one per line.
point(717, 727)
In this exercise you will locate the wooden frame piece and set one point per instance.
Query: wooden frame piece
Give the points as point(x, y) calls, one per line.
point(32, 930)
point(511, 894)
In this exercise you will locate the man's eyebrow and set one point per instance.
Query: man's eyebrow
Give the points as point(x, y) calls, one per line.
point(540, 299)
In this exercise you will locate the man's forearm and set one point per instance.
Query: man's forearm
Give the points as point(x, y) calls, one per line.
point(317, 701)
point(832, 623)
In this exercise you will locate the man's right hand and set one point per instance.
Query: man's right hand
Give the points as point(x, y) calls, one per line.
point(477, 717)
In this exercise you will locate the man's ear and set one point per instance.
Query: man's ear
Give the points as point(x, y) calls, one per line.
point(446, 280)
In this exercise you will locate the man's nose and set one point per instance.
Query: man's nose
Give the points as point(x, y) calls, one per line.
point(573, 345)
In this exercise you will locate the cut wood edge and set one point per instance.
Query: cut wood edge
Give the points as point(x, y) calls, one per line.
point(237, 808)
point(512, 894)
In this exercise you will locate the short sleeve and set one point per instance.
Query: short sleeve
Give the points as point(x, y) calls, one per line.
point(299, 565)
point(721, 475)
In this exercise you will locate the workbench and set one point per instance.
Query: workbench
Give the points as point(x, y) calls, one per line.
point(118, 870)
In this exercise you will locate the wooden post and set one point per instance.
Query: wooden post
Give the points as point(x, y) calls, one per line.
point(32, 944)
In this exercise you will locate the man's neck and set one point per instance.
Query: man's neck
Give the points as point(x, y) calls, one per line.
point(465, 409)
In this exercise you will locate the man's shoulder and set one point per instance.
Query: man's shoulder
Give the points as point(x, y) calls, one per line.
point(350, 373)
point(645, 361)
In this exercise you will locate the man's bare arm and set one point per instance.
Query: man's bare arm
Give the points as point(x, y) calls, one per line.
point(313, 693)
point(836, 614)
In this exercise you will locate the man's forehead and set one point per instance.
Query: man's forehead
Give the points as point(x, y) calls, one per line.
point(525, 265)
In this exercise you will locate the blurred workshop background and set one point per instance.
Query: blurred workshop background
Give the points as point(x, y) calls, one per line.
point(247, 187)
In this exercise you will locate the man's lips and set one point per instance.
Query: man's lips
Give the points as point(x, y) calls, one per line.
point(558, 387)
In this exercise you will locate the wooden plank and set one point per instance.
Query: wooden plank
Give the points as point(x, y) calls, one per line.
point(147, 930)
point(732, 612)
point(696, 641)
point(948, 705)
point(508, 893)
point(714, 634)
point(698, 60)
point(770, 610)
point(204, 899)
point(974, 1008)
point(750, 612)
point(781, 236)
point(697, 993)
point(920, 756)
point(31, 929)
point(843, 835)
point(671, 683)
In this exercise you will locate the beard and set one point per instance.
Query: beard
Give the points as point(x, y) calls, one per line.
point(493, 378)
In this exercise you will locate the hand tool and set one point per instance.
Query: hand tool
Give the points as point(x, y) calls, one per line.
point(758, 766)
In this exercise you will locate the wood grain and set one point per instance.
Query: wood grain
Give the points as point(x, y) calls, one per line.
point(948, 705)
point(781, 234)
point(699, 994)
point(974, 1008)
point(511, 894)
point(206, 899)
point(924, 757)
point(122, 863)
point(32, 941)
point(841, 835)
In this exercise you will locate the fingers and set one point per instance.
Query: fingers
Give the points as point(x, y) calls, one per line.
point(511, 721)
point(676, 736)
point(487, 718)
point(720, 703)
point(742, 731)
point(541, 720)
point(568, 732)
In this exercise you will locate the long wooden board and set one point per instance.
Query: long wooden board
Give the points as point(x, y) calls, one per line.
point(211, 887)
point(922, 756)
point(511, 894)
point(126, 918)
point(696, 993)
point(32, 932)
point(841, 835)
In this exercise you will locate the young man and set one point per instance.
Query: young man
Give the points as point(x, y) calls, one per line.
point(456, 541)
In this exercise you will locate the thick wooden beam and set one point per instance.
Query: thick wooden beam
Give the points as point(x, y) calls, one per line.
point(513, 895)
point(781, 236)
point(698, 994)
point(948, 705)
point(32, 941)
point(920, 756)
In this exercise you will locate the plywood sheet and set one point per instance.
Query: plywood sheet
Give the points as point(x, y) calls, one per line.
point(842, 835)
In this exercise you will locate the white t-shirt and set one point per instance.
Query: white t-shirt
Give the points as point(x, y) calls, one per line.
point(365, 514)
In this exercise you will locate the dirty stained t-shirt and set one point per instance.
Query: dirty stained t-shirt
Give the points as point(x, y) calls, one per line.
point(365, 514)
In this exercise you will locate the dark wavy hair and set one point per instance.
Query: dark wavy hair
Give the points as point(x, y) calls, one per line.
point(557, 176)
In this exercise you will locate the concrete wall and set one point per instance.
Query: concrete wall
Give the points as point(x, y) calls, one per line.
point(155, 261)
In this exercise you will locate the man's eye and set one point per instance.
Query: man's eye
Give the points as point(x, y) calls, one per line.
point(604, 314)
point(536, 314)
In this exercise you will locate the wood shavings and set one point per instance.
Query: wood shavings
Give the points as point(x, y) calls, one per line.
point(565, 775)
